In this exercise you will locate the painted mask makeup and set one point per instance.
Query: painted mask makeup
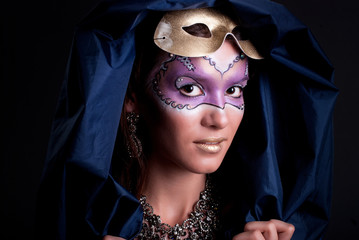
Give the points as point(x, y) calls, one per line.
point(216, 79)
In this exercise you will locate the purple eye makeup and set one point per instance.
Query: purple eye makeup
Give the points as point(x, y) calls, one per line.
point(184, 82)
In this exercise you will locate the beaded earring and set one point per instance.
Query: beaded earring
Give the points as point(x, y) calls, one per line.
point(134, 147)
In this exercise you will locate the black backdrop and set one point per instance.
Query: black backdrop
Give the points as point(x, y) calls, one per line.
point(34, 46)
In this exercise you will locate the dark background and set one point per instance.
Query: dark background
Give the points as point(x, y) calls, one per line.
point(35, 42)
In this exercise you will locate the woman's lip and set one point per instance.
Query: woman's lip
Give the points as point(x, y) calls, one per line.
point(213, 140)
point(210, 145)
point(210, 148)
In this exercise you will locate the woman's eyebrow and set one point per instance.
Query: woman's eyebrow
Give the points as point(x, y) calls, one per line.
point(199, 78)
point(196, 79)
point(178, 79)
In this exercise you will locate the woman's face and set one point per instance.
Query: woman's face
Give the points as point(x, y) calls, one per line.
point(196, 107)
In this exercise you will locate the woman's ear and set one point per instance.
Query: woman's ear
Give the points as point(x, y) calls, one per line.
point(131, 104)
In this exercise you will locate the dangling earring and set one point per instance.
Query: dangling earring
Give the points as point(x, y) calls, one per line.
point(135, 146)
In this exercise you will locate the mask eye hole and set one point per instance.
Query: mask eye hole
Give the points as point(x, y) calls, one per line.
point(240, 33)
point(198, 30)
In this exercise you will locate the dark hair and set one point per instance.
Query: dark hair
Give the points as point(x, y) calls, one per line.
point(130, 172)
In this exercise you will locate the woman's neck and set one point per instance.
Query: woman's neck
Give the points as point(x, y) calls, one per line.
point(172, 191)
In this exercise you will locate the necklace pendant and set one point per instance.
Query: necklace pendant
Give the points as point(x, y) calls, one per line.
point(201, 224)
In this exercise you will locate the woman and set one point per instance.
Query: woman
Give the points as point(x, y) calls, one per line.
point(278, 161)
point(191, 103)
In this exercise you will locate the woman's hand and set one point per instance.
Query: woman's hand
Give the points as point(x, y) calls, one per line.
point(108, 237)
point(266, 230)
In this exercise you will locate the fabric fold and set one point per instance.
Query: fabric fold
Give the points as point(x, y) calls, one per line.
point(279, 165)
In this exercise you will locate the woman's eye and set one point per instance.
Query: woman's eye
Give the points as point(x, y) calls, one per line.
point(191, 90)
point(234, 91)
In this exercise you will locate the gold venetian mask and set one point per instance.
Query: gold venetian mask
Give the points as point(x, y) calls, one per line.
point(198, 32)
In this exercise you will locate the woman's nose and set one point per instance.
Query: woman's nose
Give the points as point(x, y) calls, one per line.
point(215, 117)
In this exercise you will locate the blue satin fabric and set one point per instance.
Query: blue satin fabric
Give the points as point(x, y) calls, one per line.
point(279, 165)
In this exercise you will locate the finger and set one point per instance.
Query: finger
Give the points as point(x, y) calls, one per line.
point(250, 235)
point(285, 230)
point(267, 228)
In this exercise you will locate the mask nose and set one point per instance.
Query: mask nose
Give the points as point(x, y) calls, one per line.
point(215, 117)
point(216, 98)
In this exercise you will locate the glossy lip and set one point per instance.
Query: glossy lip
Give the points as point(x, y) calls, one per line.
point(210, 145)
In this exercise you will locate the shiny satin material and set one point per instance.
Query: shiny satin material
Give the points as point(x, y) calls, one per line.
point(279, 165)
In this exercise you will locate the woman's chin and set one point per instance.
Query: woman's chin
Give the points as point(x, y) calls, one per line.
point(206, 167)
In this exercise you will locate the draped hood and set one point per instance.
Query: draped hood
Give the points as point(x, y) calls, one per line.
point(280, 162)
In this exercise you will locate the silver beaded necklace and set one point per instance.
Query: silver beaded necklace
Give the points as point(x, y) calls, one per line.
point(201, 224)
